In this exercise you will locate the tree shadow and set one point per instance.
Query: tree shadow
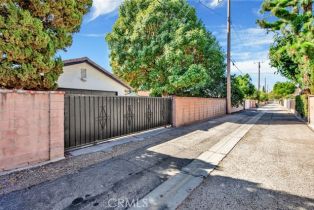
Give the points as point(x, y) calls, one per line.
point(222, 192)
point(130, 177)
point(134, 173)
point(22, 179)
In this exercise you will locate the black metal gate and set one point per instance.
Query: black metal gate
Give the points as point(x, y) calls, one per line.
point(91, 119)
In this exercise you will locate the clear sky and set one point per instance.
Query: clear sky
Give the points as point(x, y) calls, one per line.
point(250, 44)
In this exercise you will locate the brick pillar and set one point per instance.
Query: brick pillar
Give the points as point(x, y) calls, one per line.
point(174, 112)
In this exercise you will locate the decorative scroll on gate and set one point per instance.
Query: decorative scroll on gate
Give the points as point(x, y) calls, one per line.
point(103, 117)
point(90, 119)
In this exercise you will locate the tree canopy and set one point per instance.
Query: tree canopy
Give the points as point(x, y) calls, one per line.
point(237, 95)
point(245, 85)
point(31, 32)
point(293, 50)
point(241, 88)
point(161, 46)
point(283, 89)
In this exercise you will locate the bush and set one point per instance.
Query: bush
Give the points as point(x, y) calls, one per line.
point(301, 105)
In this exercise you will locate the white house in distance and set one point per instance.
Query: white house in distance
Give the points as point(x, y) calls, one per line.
point(83, 76)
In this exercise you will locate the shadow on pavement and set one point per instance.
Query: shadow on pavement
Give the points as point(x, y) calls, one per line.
point(220, 192)
point(89, 183)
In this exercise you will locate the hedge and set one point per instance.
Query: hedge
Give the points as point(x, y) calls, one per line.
point(301, 105)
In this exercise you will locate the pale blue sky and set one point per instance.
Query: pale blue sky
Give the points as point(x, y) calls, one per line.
point(249, 43)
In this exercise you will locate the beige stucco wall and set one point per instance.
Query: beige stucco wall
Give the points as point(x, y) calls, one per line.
point(71, 78)
point(31, 127)
point(249, 104)
point(311, 111)
point(187, 110)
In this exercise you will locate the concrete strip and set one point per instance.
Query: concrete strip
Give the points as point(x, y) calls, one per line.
point(174, 191)
point(272, 167)
point(177, 188)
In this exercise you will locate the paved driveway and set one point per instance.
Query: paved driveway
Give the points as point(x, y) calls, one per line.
point(107, 180)
point(272, 167)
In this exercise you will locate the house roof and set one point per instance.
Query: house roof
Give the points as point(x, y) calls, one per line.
point(96, 66)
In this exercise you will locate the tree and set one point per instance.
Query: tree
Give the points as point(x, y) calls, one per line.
point(31, 32)
point(263, 96)
point(294, 24)
point(237, 94)
point(283, 89)
point(282, 61)
point(241, 88)
point(245, 85)
point(161, 46)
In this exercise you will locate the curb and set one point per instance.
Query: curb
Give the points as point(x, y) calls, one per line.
point(170, 194)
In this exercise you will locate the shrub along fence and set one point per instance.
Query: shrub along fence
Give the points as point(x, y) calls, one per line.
point(303, 106)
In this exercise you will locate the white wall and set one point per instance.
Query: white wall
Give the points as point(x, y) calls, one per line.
point(71, 78)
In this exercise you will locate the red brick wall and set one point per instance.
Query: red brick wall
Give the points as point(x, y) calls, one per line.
point(31, 127)
point(187, 110)
point(311, 111)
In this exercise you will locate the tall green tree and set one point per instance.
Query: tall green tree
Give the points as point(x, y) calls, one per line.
point(245, 84)
point(161, 46)
point(283, 89)
point(241, 88)
point(282, 61)
point(237, 94)
point(294, 24)
point(31, 32)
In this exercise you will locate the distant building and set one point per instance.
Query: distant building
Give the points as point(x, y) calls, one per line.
point(83, 76)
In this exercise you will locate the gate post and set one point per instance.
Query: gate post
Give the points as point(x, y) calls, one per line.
point(174, 111)
point(56, 125)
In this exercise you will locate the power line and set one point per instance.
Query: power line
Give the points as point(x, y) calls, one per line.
point(236, 33)
point(233, 63)
point(213, 11)
point(220, 15)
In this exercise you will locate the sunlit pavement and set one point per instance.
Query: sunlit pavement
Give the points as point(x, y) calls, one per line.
point(272, 167)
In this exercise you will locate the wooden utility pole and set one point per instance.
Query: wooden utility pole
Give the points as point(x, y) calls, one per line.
point(259, 76)
point(229, 58)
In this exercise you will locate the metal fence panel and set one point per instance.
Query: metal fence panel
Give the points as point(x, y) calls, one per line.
point(89, 119)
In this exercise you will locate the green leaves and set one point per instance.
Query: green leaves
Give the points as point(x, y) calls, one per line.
point(164, 48)
point(293, 50)
point(31, 32)
point(245, 85)
point(283, 89)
